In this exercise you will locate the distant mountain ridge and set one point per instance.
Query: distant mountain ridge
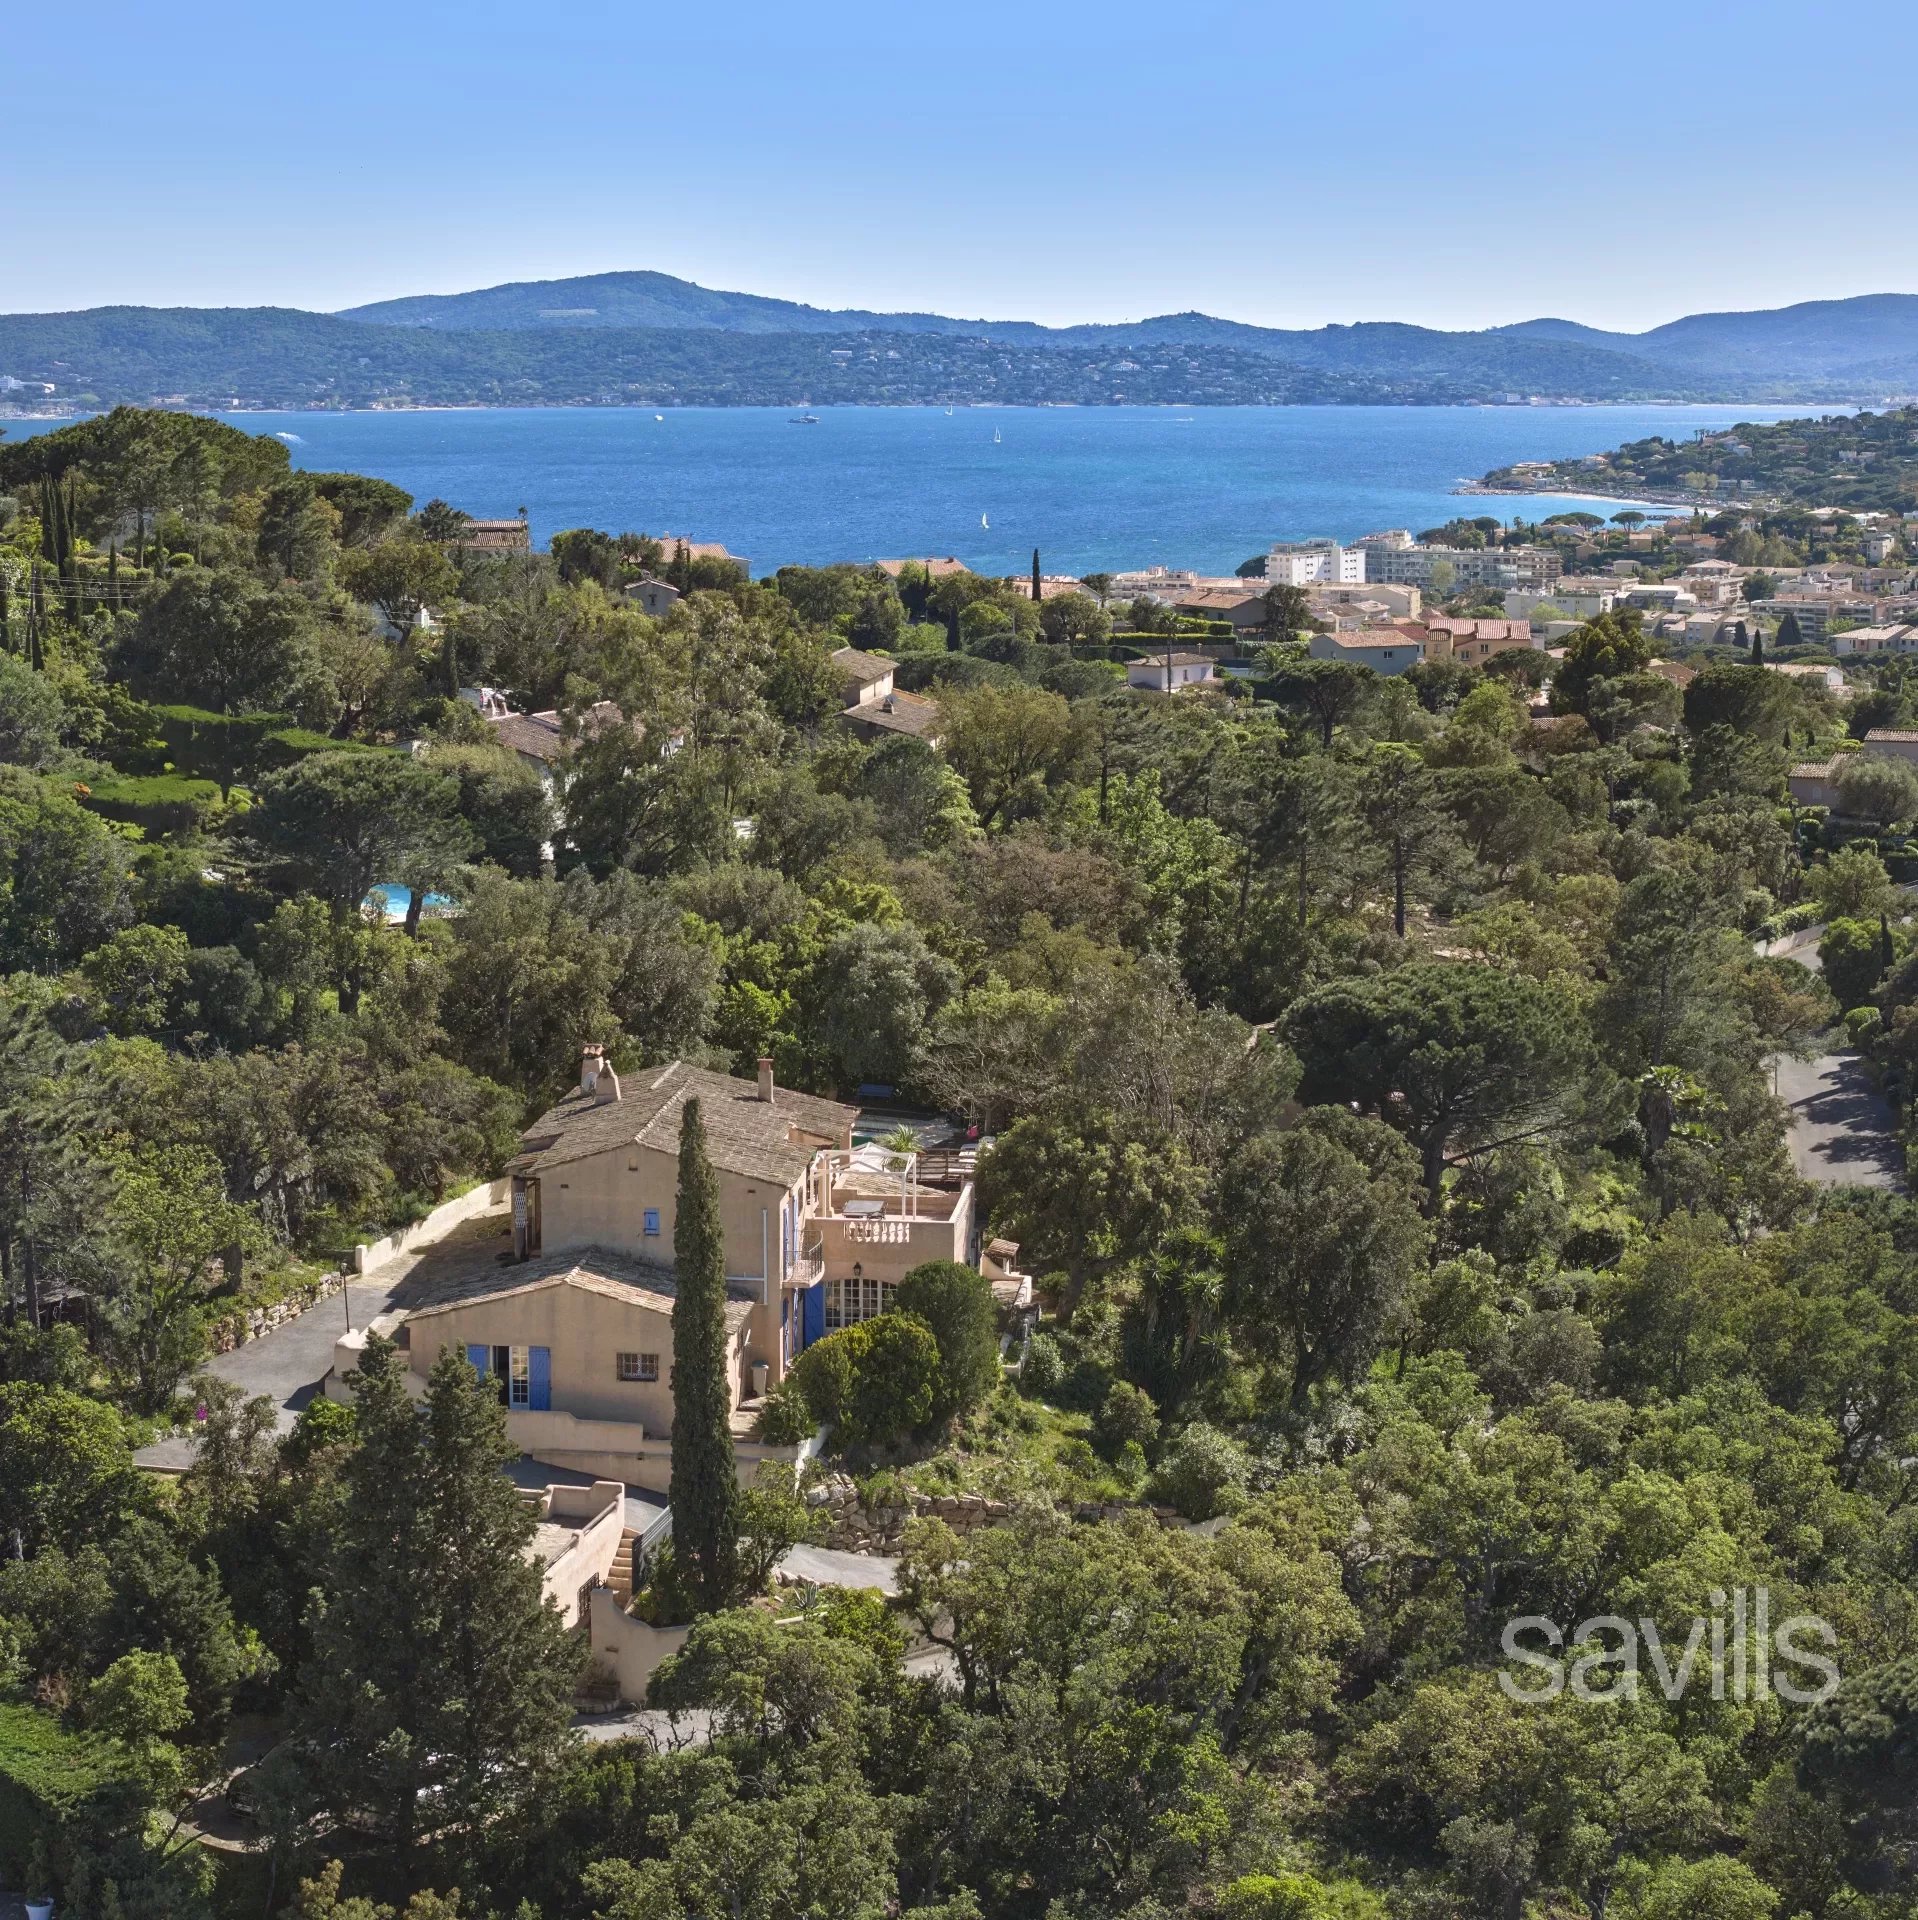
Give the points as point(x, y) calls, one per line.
point(643, 338)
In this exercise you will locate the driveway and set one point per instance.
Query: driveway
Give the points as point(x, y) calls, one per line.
point(1843, 1132)
point(289, 1364)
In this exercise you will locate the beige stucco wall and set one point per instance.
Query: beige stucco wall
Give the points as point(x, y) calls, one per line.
point(599, 1513)
point(905, 1243)
point(602, 1202)
point(584, 1330)
point(628, 1649)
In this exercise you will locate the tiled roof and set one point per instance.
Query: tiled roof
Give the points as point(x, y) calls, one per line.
point(937, 569)
point(614, 1276)
point(1812, 770)
point(863, 667)
point(909, 713)
point(540, 736)
point(1172, 660)
point(746, 1135)
point(1462, 629)
point(1901, 736)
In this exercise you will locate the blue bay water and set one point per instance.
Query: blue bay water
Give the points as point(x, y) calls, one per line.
point(1105, 487)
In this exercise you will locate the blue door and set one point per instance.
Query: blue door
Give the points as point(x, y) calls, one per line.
point(477, 1358)
point(539, 1379)
point(813, 1325)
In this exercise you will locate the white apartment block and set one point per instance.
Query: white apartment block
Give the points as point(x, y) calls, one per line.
point(1310, 563)
point(1579, 599)
point(1496, 567)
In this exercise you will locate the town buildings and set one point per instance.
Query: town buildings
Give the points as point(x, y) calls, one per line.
point(1385, 650)
point(1444, 569)
point(496, 536)
point(873, 707)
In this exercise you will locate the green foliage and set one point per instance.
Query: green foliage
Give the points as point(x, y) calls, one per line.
point(956, 1302)
point(1126, 1419)
point(1852, 958)
point(1203, 1473)
point(1043, 1367)
point(440, 1688)
point(704, 1491)
point(874, 1382)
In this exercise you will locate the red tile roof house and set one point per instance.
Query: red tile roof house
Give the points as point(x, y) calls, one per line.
point(1246, 611)
point(1471, 642)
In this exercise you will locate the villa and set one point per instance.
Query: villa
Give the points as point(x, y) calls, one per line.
point(573, 1319)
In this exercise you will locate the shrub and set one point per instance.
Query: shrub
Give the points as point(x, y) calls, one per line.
point(1044, 1365)
point(1852, 955)
point(956, 1303)
point(158, 804)
point(1130, 1466)
point(1860, 1022)
point(1203, 1473)
point(785, 1418)
point(1128, 1418)
point(871, 1383)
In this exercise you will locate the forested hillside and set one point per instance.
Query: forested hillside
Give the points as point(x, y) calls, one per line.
point(1862, 461)
point(1379, 1080)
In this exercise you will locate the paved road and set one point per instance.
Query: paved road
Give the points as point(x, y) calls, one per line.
point(827, 1568)
point(289, 1363)
point(1801, 946)
point(1843, 1132)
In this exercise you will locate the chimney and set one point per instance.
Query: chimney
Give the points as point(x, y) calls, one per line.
point(766, 1078)
point(591, 1059)
point(607, 1091)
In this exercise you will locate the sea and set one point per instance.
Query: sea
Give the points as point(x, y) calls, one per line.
point(1097, 488)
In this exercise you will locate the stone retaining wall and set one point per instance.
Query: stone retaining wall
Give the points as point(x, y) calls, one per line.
point(236, 1329)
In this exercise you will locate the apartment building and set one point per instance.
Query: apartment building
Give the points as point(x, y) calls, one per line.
point(1494, 567)
point(1315, 562)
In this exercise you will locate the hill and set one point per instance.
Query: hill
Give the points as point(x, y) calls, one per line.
point(1874, 335)
point(648, 339)
point(1862, 461)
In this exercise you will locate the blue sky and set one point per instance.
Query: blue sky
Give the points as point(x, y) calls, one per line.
point(1045, 159)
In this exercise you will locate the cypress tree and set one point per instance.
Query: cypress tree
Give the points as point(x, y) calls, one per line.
point(705, 1490)
point(1758, 645)
point(1887, 953)
point(1035, 575)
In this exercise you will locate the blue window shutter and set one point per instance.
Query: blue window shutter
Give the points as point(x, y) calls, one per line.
point(813, 1313)
point(539, 1379)
point(478, 1357)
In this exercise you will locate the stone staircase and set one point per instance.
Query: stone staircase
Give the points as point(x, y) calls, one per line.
point(620, 1577)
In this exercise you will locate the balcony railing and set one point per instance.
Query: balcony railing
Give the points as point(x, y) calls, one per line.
point(807, 1270)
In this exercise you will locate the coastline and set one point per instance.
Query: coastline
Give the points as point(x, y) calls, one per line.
point(225, 407)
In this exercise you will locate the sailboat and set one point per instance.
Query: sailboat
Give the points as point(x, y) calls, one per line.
point(948, 413)
point(995, 436)
point(984, 522)
point(659, 416)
